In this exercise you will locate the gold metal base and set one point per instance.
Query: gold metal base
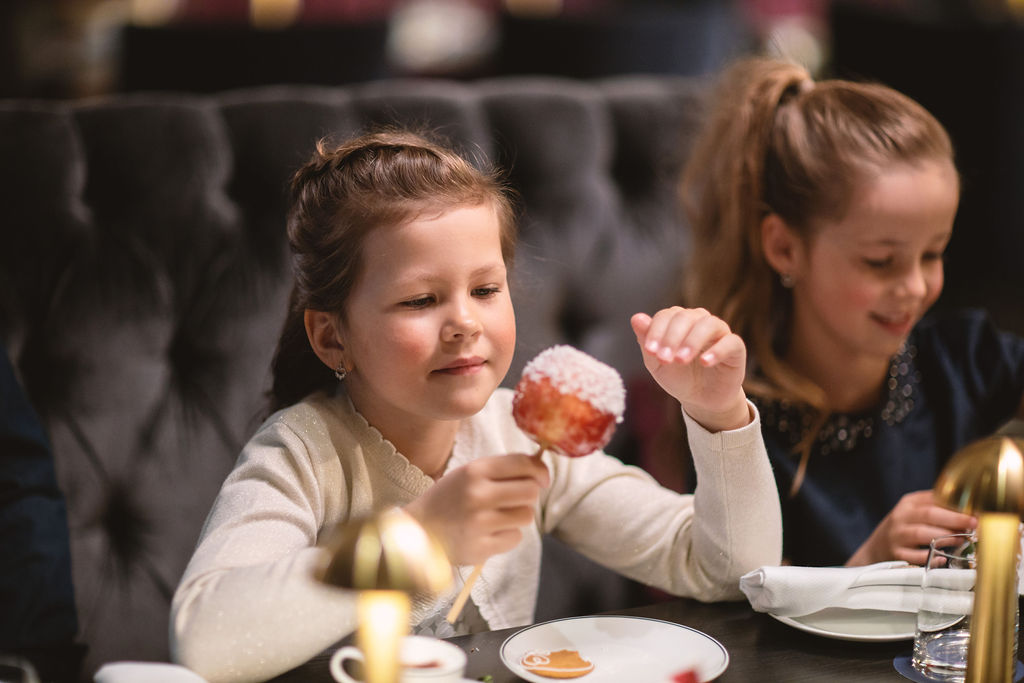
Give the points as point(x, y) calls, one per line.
point(383, 622)
point(986, 478)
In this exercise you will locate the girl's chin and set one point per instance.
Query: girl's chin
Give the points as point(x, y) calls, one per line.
point(890, 349)
point(459, 408)
point(877, 346)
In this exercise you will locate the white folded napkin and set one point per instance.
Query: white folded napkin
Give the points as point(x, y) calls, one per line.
point(796, 591)
point(150, 672)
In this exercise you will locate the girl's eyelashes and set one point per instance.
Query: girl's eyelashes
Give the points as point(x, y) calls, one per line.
point(486, 292)
point(878, 264)
point(425, 300)
point(890, 261)
point(418, 302)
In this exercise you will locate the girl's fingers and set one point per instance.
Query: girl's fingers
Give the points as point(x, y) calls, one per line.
point(950, 519)
point(511, 493)
point(729, 350)
point(640, 322)
point(515, 466)
point(503, 541)
point(923, 535)
point(517, 516)
point(668, 330)
point(686, 335)
point(911, 556)
point(496, 521)
point(658, 340)
point(702, 338)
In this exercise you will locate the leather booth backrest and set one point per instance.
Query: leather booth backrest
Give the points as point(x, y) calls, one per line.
point(144, 276)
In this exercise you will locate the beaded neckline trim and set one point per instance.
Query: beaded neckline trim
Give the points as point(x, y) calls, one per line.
point(843, 431)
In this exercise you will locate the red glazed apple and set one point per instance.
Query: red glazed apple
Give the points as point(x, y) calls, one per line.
point(569, 401)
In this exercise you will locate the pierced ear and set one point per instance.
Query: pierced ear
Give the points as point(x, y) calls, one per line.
point(325, 337)
point(781, 245)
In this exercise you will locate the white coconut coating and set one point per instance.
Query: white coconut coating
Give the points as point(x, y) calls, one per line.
point(576, 373)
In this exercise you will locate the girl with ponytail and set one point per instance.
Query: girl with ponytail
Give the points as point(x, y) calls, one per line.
point(820, 214)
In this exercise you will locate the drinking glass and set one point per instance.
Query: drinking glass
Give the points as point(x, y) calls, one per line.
point(947, 602)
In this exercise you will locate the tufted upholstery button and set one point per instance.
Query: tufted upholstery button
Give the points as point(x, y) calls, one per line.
point(128, 532)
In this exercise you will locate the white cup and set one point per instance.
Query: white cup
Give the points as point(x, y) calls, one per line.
point(423, 659)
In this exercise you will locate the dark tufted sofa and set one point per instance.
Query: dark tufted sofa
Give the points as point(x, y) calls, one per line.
point(144, 275)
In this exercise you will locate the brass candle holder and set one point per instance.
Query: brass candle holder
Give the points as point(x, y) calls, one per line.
point(386, 558)
point(986, 479)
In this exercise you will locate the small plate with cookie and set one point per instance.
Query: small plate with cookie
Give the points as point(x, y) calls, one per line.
point(607, 648)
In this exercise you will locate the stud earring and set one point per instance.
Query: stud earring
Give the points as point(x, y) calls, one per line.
point(786, 279)
point(341, 373)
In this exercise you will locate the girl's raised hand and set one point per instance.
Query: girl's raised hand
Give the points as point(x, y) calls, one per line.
point(478, 510)
point(907, 530)
point(697, 359)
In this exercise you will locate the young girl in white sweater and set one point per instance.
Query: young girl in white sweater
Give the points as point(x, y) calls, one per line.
point(386, 393)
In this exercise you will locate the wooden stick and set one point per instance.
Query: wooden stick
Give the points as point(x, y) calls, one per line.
point(460, 600)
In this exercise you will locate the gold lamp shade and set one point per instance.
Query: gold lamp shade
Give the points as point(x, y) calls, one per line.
point(986, 479)
point(386, 557)
point(985, 476)
point(388, 551)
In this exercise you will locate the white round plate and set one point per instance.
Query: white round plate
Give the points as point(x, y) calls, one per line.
point(856, 624)
point(635, 649)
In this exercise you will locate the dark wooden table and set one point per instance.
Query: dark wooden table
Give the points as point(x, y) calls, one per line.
point(760, 649)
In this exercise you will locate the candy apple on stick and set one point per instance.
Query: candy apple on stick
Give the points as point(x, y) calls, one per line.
point(566, 401)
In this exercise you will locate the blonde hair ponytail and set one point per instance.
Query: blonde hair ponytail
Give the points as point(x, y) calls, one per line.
point(723, 193)
point(778, 143)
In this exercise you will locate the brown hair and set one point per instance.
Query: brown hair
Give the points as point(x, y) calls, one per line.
point(341, 194)
point(777, 142)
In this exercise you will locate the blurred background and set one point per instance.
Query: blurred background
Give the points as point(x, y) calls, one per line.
point(78, 48)
point(962, 59)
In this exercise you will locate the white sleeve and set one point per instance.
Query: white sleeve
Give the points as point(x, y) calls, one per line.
point(248, 607)
point(693, 545)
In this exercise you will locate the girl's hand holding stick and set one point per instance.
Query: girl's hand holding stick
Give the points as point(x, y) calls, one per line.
point(567, 401)
point(460, 599)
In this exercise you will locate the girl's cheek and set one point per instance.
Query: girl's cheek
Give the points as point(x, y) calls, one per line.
point(935, 286)
point(862, 296)
point(411, 341)
point(502, 322)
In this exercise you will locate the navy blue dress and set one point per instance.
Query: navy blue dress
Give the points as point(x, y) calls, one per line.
point(957, 379)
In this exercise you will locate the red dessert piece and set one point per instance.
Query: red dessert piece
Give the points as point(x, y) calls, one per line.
point(569, 401)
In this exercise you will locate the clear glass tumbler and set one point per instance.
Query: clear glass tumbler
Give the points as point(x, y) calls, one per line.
point(947, 602)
